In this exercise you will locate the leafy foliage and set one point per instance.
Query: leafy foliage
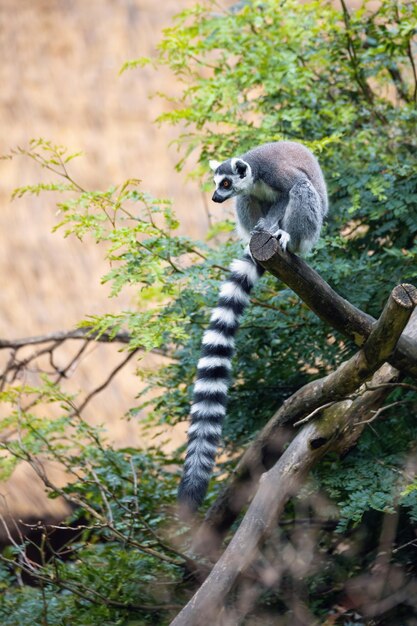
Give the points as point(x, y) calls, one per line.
point(343, 83)
point(119, 525)
point(374, 476)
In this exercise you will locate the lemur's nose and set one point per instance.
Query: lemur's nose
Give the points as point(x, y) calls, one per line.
point(217, 197)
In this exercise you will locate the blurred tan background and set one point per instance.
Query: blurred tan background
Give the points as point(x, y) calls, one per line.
point(60, 81)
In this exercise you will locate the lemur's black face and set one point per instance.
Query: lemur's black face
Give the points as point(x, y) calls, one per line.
point(231, 177)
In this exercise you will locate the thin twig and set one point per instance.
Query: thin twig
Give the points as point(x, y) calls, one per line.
point(103, 495)
point(109, 378)
point(318, 410)
point(77, 333)
point(393, 385)
point(382, 410)
point(413, 542)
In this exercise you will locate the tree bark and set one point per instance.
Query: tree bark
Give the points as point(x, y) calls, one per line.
point(282, 480)
point(325, 302)
point(268, 445)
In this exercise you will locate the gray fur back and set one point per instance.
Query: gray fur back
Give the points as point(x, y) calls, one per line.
point(281, 164)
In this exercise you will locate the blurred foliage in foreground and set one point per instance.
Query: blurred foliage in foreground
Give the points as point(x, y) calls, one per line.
point(345, 84)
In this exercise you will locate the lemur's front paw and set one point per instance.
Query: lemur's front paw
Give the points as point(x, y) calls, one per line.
point(283, 238)
point(259, 226)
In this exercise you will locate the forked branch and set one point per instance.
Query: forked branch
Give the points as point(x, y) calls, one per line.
point(342, 315)
point(308, 447)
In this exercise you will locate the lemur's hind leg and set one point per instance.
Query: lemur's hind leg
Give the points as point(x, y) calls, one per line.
point(298, 225)
point(302, 221)
point(272, 223)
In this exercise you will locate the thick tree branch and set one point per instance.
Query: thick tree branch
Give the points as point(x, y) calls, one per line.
point(275, 488)
point(336, 431)
point(365, 405)
point(256, 460)
point(325, 302)
point(265, 450)
point(282, 480)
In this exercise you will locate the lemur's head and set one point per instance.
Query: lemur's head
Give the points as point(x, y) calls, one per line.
point(231, 177)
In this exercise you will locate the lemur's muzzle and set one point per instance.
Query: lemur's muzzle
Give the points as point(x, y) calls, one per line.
point(217, 197)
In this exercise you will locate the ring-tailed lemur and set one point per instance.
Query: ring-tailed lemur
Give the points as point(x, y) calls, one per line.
point(279, 187)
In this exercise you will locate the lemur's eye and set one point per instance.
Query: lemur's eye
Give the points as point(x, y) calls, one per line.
point(226, 183)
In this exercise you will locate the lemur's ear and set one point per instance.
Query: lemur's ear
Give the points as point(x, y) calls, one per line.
point(213, 164)
point(239, 167)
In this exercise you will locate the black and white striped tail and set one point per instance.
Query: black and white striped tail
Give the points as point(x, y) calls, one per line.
point(213, 378)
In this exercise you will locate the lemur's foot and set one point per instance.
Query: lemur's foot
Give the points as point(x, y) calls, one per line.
point(259, 226)
point(283, 238)
point(282, 235)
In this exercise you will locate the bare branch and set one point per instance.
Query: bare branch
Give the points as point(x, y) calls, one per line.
point(377, 413)
point(315, 412)
point(283, 479)
point(103, 385)
point(275, 488)
point(332, 388)
point(326, 303)
point(393, 385)
point(77, 333)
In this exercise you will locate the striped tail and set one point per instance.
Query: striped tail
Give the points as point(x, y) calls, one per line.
point(213, 378)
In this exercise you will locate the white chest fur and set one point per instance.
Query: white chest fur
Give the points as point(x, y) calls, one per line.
point(262, 191)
